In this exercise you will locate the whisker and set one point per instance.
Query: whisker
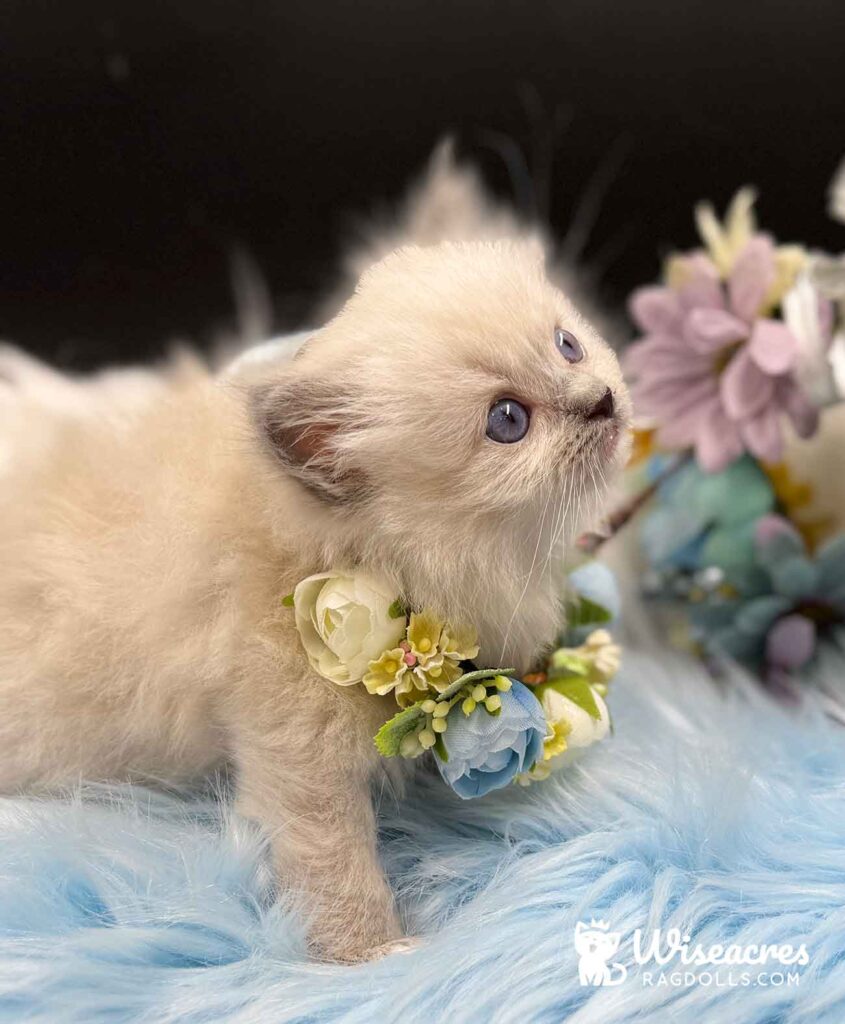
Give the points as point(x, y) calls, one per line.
point(527, 578)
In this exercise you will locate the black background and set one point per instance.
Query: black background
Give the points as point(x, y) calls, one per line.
point(141, 141)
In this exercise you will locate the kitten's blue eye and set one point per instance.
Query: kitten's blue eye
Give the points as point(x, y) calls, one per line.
point(507, 421)
point(568, 346)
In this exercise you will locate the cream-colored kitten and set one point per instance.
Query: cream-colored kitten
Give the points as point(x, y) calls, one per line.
point(146, 546)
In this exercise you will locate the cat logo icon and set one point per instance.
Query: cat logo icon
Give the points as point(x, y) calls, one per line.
point(595, 944)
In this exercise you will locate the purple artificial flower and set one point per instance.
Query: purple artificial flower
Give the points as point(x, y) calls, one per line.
point(716, 374)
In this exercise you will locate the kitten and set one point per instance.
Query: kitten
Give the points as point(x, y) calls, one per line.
point(146, 547)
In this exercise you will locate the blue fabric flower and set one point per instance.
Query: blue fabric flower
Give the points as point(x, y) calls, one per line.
point(486, 751)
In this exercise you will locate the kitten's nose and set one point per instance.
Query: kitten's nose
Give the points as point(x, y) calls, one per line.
point(603, 409)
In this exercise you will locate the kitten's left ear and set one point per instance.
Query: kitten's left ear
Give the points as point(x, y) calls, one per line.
point(302, 420)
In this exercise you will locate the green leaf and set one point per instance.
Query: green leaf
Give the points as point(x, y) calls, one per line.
point(579, 693)
point(391, 734)
point(477, 676)
point(397, 610)
point(565, 673)
point(584, 612)
point(565, 663)
point(287, 600)
point(440, 748)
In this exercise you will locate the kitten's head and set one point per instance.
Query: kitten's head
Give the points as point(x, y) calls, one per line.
point(457, 402)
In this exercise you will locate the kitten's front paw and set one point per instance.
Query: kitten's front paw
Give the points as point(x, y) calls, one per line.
point(402, 946)
point(367, 954)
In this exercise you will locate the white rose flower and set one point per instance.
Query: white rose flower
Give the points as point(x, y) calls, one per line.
point(345, 623)
point(573, 724)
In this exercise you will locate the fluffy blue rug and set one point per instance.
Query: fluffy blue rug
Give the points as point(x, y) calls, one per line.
point(723, 816)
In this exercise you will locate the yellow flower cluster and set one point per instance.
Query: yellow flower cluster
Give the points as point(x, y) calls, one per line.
point(427, 660)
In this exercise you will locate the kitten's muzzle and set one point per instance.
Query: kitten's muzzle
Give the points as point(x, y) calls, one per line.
point(603, 408)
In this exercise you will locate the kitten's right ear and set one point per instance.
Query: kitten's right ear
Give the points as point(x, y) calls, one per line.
point(302, 420)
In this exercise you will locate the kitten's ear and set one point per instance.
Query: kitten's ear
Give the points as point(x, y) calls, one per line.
point(302, 420)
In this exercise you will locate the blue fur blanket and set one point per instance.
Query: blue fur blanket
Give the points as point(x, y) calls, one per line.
point(722, 816)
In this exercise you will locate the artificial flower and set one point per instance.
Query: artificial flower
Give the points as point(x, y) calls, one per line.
point(776, 625)
point(433, 650)
point(603, 656)
point(427, 658)
point(386, 673)
point(707, 519)
point(439, 673)
point(724, 241)
point(345, 622)
point(486, 751)
point(809, 316)
point(459, 643)
point(713, 370)
point(595, 662)
point(727, 242)
point(797, 491)
point(409, 682)
point(827, 274)
point(642, 444)
point(424, 631)
point(571, 728)
point(593, 600)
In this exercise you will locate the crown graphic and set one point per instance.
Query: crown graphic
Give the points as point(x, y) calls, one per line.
point(600, 925)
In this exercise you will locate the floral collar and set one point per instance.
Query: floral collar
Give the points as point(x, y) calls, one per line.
point(485, 727)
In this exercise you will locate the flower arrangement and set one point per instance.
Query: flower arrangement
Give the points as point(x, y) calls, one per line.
point(485, 727)
point(743, 347)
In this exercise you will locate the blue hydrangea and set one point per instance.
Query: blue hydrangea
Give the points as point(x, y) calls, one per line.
point(486, 751)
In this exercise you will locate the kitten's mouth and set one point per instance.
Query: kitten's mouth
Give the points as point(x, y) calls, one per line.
point(606, 436)
point(610, 441)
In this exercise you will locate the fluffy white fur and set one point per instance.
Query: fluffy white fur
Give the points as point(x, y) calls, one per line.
point(449, 203)
point(151, 526)
point(714, 811)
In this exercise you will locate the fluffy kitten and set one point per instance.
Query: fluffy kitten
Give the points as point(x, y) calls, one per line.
point(146, 546)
